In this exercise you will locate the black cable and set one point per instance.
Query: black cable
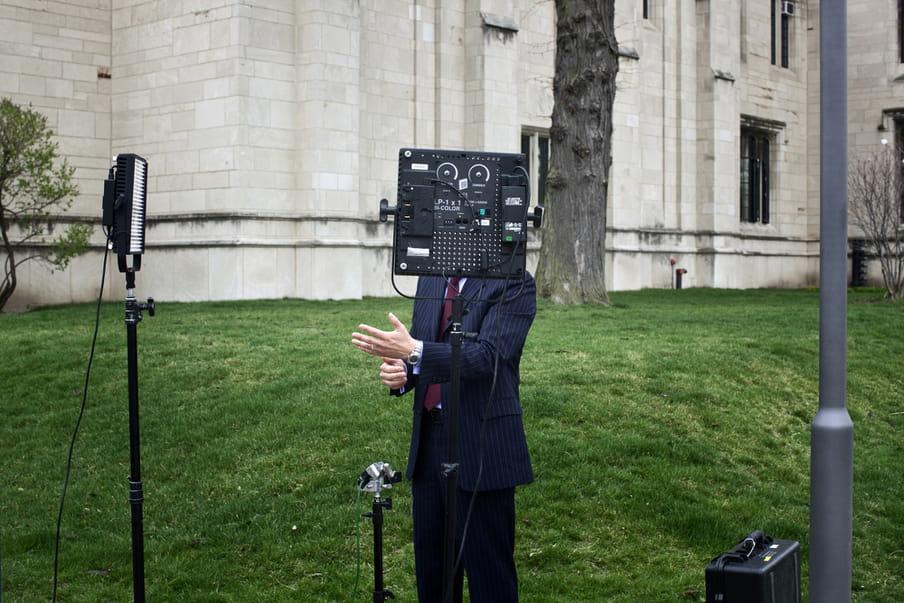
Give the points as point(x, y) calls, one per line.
point(81, 413)
point(358, 508)
point(483, 428)
point(501, 302)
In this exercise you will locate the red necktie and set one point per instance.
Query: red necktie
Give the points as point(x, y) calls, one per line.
point(432, 398)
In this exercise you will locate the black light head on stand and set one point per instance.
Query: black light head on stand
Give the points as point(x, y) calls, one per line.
point(461, 213)
point(125, 208)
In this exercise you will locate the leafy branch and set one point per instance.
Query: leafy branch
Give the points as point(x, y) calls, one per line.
point(35, 189)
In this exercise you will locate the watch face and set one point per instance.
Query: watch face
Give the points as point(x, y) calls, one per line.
point(415, 355)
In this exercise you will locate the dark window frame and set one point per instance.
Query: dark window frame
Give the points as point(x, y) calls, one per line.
point(895, 119)
point(755, 174)
point(780, 34)
point(899, 148)
point(786, 40)
point(772, 28)
point(901, 31)
point(535, 146)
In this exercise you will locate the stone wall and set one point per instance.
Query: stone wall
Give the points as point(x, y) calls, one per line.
point(272, 130)
point(55, 58)
point(690, 76)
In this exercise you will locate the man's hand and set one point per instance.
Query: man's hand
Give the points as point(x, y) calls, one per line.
point(395, 344)
point(393, 373)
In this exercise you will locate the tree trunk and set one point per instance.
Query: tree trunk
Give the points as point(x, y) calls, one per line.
point(8, 283)
point(571, 267)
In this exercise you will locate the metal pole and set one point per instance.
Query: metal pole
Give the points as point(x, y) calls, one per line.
point(136, 494)
point(380, 593)
point(832, 431)
point(452, 409)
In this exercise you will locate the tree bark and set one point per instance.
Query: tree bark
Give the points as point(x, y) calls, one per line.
point(8, 283)
point(571, 268)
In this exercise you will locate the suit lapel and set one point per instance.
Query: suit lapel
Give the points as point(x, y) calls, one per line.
point(430, 308)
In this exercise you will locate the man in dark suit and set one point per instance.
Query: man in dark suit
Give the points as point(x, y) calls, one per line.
point(492, 449)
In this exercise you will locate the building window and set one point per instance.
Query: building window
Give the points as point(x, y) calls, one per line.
point(899, 149)
point(782, 11)
point(646, 9)
point(755, 175)
point(901, 31)
point(535, 146)
point(772, 30)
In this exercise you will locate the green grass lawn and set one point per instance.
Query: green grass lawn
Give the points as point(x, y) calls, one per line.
point(663, 430)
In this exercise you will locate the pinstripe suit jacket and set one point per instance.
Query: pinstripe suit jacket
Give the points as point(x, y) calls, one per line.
point(500, 312)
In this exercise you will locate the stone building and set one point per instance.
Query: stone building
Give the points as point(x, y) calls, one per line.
point(272, 130)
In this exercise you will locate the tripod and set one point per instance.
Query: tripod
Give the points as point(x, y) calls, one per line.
point(136, 492)
point(374, 479)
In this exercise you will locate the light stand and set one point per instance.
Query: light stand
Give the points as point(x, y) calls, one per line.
point(451, 466)
point(374, 479)
point(124, 210)
point(136, 491)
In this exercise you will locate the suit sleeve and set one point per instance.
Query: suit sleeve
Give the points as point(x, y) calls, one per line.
point(501, 315)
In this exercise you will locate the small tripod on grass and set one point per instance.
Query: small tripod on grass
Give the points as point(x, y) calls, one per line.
point(374, 479)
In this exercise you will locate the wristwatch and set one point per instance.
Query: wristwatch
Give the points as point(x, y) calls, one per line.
point(415, 355)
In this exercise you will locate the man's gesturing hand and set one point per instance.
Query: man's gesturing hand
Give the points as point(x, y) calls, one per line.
point(395, 344)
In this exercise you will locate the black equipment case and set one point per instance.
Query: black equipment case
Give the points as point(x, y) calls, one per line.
point(759, 569)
